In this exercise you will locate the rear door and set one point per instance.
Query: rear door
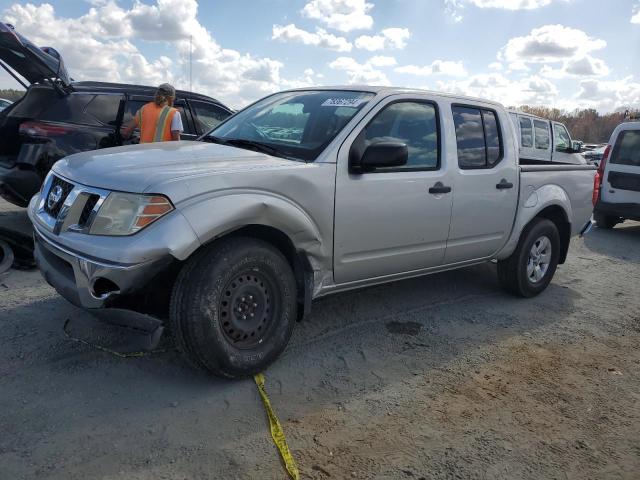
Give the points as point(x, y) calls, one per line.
point(621, 183)
point(386, 221)
point(207, 116)
point(29, 60)
point(486, 183)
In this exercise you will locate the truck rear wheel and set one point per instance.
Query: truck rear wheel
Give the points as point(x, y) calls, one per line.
point(530, 268)
point(605, 221)
point(233, 307)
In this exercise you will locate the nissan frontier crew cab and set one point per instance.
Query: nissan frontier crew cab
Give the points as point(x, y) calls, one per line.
point(303, 194)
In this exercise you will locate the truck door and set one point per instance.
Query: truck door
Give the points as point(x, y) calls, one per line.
point(393, 220)
point(486, 184)
point(562, 146)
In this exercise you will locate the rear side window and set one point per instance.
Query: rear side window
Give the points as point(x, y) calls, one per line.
point(477, 136)
point(542, 134)
point(526, 133)
point(70, 109)
point(412, 123)
point(208, 116)
point(627, 148)
point(104, 108)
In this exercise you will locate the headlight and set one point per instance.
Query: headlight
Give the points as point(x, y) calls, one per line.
point(126, 213)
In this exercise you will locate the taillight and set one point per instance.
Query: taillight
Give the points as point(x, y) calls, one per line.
point(42, 129)
point(597, 180)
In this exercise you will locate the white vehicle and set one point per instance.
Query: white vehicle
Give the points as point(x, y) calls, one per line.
point(616, 195)
point(4, 103)
point(542, 141)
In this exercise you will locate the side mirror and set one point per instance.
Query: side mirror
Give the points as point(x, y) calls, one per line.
point(576, 146)
point(380, 155)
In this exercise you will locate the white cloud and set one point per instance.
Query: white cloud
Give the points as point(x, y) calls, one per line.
point(635, 18)
point(455, 7)
point(342, 15)
point(319, 39)
point(607, 95)
point(586, 66)
point(389, 38)
point(550, 43)
point(442, 67)
point(533, 90)
point(97, 46)
point(382, 61)
point(362, 73)
point(496, 66)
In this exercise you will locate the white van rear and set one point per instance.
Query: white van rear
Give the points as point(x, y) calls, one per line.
point(618, 197)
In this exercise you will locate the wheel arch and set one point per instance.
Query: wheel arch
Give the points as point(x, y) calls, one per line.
point(558, 216)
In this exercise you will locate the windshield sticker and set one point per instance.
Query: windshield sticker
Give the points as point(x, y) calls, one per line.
point(344, 102)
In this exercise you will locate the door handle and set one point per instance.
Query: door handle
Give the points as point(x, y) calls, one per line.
point(439, 188)
point(504, 185)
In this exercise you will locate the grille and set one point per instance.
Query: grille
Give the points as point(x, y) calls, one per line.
point(88, 207)
point(66, 187)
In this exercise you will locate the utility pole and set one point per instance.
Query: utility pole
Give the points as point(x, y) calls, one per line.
point(190, 64)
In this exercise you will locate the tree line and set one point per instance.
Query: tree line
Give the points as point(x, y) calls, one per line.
point(11, 94)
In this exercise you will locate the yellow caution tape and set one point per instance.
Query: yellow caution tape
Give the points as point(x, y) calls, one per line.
point(105, 349)
point(276, 430)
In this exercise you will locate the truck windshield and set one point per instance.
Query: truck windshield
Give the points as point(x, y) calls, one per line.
point(297, 125)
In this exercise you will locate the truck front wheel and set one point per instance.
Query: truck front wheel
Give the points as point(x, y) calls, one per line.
point(233, 307)
point(530, 268)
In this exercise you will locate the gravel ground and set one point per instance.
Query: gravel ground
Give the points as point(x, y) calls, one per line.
point(439, 377)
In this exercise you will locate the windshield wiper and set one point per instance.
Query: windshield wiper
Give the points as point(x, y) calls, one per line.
point(260, 147)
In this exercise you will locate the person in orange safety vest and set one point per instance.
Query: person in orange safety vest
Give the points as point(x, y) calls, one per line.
point(158, 121)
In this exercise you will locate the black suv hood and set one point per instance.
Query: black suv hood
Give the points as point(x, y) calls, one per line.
point(34, 63)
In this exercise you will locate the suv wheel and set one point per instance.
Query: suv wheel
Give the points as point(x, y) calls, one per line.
point(233, 307)
point(530, 268)
point(605, 221)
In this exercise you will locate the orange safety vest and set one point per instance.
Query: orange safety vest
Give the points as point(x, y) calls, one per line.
point(154, 122)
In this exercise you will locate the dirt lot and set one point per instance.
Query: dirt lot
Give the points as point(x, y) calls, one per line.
point(439, 377)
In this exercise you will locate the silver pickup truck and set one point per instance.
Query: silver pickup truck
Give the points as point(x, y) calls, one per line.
point(305, 193)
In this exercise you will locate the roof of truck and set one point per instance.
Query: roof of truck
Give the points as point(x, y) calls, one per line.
point(396, 90)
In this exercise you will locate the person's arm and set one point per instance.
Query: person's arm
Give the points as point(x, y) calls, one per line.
point(127, 129)
point(176, 126)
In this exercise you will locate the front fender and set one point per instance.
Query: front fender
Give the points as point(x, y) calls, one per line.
point(226, 211)
point(533, 201)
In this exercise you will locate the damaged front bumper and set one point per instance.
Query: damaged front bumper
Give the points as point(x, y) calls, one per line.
point(91, 283)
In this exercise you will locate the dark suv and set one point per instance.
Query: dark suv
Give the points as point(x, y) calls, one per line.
point(58, 117)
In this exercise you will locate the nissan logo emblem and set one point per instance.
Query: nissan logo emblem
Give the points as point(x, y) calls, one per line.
point(55, 195)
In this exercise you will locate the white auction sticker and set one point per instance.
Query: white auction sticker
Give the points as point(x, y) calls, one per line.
point(344, 102)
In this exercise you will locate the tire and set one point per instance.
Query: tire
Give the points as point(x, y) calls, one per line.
point(6, 256)
point(233, 307)
point(605, 221)
point(518, 274)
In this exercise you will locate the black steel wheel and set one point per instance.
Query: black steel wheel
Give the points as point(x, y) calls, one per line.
point(233, 307)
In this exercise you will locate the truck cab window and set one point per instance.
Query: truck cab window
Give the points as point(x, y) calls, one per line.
point(412, 123)
point(561, 138)
point(541, 134)
point(526, 133)
point(477, 137)
point(208, 116)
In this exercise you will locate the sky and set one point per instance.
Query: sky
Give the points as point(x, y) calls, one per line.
point(560, 53)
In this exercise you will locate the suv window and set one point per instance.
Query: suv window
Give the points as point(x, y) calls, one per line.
point(561, 138)
point(412, 123)
point(627, 148)
point(477, 136)
point(208, 116)
point(526, 133)
point(104, 108)
point(70, 109)
point(542, 134)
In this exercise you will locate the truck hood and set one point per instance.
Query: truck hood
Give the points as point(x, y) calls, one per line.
point(145, 168)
